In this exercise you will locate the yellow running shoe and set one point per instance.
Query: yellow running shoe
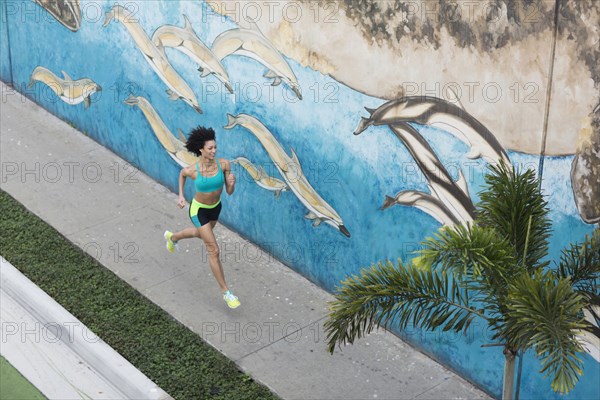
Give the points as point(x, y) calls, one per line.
point(171, 245)
point(231, 300)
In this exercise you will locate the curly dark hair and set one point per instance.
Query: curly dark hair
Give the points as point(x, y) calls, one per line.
point(198, 136)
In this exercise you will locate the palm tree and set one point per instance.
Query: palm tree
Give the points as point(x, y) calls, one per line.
point(493, 269)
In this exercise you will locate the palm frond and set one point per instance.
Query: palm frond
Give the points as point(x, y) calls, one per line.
point(581, 264)
point(544, 314)
point(510, 203)
point(469, 252)
point(480, 258)
point(403, 295)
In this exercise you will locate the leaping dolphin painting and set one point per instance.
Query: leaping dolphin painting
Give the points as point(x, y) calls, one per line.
point(427, 110)
point(252, 44)
point(67, 12)
point(261, 177)
point(155, 55)
point(70, 91)
point(185, 40)
point(291, 171)
point(424, 202)
point(454, 195)
point(174, 147)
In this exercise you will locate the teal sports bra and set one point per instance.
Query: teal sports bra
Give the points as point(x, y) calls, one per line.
point(207, 184)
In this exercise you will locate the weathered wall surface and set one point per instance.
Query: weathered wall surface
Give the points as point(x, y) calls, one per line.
point(4, 49)
point(320, 205)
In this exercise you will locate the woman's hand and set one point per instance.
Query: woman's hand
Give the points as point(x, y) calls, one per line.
point(231, 180)
point(230, 183)
point(181, 202)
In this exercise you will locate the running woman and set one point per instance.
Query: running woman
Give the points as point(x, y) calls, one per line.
point(209, 175)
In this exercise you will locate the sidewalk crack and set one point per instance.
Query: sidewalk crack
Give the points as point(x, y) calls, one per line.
point(281, 338)
point(166, 280)
point(429, 389)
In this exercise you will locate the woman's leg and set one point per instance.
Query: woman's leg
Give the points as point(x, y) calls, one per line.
point(185, 234)
point(212, 224)
point(212, 248)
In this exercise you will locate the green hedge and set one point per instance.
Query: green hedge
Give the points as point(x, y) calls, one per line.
point(174, 357)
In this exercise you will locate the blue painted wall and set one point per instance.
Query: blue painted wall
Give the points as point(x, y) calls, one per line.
point(4, 49)
point(352, 173)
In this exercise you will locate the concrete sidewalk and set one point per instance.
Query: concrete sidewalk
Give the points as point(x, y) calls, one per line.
point(118, 216)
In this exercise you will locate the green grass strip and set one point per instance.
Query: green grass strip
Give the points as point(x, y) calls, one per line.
point(171, 355)
point(14, 386)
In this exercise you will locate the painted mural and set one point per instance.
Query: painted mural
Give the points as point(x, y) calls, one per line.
point(175, 147)
point(67, 12)
point(69, 90)
point(185, 40)
point(417, 157)
point(155, 55)
point(261, 177)
point(291, 171)
point(254, 45)
point(387, 36)
point(453, 200)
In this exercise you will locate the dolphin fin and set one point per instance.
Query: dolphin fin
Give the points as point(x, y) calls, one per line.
point(272, 75)
point(474, 153)
point(388, 202)
point(188, 25)
point(131, 100)
point(277, 193)
point(261, 172)
point(86, 102)
point(181, 135)
point(462, 183)
point(370, 110)
point(317, 222)
point(66, 76)
point(109, 17)
point(311, 215)
point(231, 121)
point(172, 94)
point(204, 72)
point(298, 166)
